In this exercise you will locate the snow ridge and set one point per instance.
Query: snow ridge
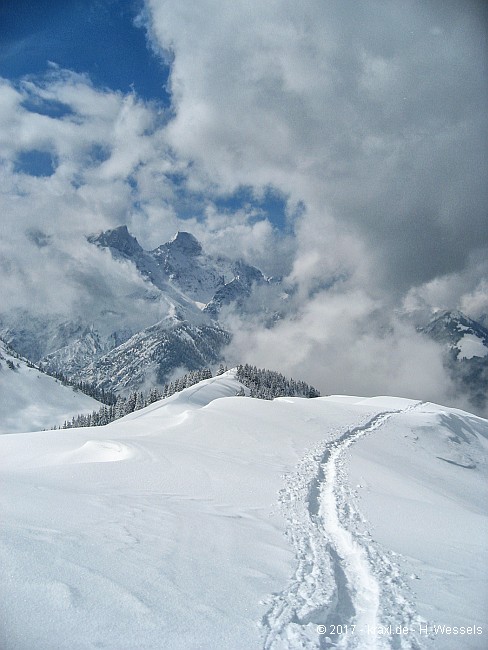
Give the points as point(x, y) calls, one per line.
point(343, 579)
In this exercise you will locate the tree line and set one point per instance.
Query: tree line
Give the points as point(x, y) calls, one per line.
point(268, 384)
point(123, 405)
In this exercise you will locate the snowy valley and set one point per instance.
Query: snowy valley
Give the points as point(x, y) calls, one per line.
point(208, 520)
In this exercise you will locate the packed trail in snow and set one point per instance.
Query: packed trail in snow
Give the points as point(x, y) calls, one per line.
point(345, 588)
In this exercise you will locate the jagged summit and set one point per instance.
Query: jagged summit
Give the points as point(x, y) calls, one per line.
point(121, 240)
point(186, 243)
point(453, 325)
point(118, 239)
point(181, 267)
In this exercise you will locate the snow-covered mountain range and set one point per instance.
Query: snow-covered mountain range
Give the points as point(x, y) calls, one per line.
point(145, 316)
point(465, 337)
point(185, 287)
point(153, 355)
point(208, 520)
point(181, 269)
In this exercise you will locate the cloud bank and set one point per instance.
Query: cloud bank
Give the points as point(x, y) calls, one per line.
point(372, 117)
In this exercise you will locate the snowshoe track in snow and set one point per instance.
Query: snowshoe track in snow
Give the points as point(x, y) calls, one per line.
point(343, 581)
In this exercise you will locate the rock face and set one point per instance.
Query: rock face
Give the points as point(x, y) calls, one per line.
point(119, 239)
point(455, 329)
point(166, 318)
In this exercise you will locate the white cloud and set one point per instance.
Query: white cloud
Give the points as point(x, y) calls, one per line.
point(475, 302)
point(466, 291)
point(238, 235)
point(100, 139)
point(355, 110)
point(344, 342)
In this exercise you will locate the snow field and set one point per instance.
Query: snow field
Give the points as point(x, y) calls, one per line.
point(166, 528)
point(340, 586)
point(423, 487)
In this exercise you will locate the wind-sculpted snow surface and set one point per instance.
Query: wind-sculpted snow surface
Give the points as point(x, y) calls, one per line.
point(344, 588)
point(163, 530)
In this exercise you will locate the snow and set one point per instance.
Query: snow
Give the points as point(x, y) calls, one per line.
point(30, 399)
point(471, 346)
point(427, 472)
point(213, 521)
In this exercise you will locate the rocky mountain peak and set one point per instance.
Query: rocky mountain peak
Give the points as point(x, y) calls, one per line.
point(118, 239)
point(454, 325)
point(185, 242)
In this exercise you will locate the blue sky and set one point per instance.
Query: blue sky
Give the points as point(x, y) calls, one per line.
point(107, 40)
point(98, 37)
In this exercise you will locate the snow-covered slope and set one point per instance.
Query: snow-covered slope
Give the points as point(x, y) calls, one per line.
point(31, 400)
point(422, 484)
point(166, 529)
